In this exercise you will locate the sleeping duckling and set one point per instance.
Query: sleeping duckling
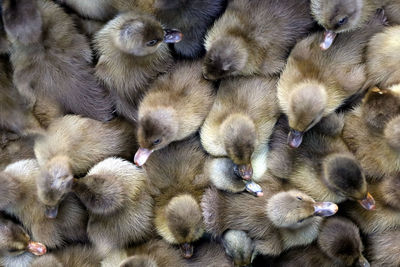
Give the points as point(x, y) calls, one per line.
point(176, 175)
point(174, 108)
point(238, 246)
point(18, 198)
point(51, 60)
point(16, 246)
point(115, 193)
point(315, 83)
point(254, 37)
point(133, 51)
point(240, 123)
point(71, 146)
point(371, 132)
point(384, 248)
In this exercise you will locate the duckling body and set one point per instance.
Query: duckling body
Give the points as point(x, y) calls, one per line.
point(51, 60)
point(174, 108)
point(116, 195)
point(254, 37)
point(15, 149)
point(383, 248)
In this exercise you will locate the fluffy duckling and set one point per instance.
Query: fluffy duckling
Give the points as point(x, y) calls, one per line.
point(16, 246)
point(238, 246)
point(275, 221)
point(176, 175)
point(255, 37)
point(384, 248)
point(133, 51)
point(193, 18)
point(78, 255)
point(71, 146)
point(382, 59)
point(372, 133)
point(174, 108)
point(338, 244)
point(315, 83)
point(115, 193)
point(51, 60)
point(18, 197)
point(241, 121)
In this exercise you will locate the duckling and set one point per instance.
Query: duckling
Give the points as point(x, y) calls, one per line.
point(382, 60)
point(371, 132)
point(193, 18)
point(177, 180)
point(115, 193)
point(71, 146)
point(238, 246)
point(384, 248)
point(338, 244)
point(132, 51)
point(16, 246)
point(19, 199)
point(52, 60)
point(276, 221)
point(76, 255)
point(174, 108)
point(240, 123)
point(315, 83)
point(254, 37)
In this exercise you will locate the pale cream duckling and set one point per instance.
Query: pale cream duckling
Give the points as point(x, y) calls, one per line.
point(133, 51)
point(120, 207)
point(71, 146)
point(174, 108)
point(315, 83)
point(240, 123)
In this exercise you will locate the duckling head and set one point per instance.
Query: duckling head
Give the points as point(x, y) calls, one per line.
point(139, 261)
point(239, 137)
point(157, 129)
point(226, 57)
point(392, 133)
point(54, 183)
point(307, 103)
point(239, 246)
point(142, 35)
point(343, 175)
point(184, 223)
point(294, 209)
point(14, 240)
point(337, 16)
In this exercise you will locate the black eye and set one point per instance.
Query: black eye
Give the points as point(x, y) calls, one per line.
point(152, 42)
point(156, 142)
point(342, 22)
point(300, 221)
point(299, 198)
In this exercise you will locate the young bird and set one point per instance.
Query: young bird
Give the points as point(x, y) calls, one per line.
point(174, 108)
point(315, 83)
point(133, 51)
point(51, 60)
point(254, 37)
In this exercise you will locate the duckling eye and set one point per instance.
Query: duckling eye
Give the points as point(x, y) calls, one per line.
point(342, 21)
point(152, 42)
point(156, 142)
point(299, 198)
point(300, 221)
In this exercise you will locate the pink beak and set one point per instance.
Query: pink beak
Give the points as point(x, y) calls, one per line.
point(142, 155)
point(328, 40)
point(36, 248)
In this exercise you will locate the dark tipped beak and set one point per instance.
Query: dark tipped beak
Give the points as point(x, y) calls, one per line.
point(295, 138)
point(141, 156)
point(172, 36)
point(325, 209)
point(36, 248)
point(254, 189)
point(245, 171)
point(362, 262)
point(51, 212)
point(368, 202)
point(187, 250)
point(329, 37)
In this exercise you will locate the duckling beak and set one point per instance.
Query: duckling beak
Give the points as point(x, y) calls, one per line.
point(51, 212)
point(295, 138)
point(36, 248)
point(245, 171)
point(325, 209)
point(142, 155)
point(254, 188)
point(172, 36)
point(187, 250)
point(329, 37)
point(362, 262)
point(368, 202)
